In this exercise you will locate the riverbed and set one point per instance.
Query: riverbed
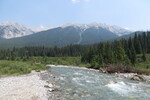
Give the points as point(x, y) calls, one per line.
point(80, 84)
point(71, 83)
point(24, 87)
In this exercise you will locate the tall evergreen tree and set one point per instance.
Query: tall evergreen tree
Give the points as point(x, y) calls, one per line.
point(120, 53)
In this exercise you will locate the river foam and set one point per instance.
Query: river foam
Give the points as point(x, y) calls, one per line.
point(121, 88)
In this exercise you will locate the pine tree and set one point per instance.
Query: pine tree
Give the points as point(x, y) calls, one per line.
point(109, 54)
point(94, 62)
point(102, 49)
point(120, 53)
point(101, 61)
point(133, 56)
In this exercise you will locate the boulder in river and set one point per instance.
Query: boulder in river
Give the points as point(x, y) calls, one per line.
point(132, 76)
point(138, 78)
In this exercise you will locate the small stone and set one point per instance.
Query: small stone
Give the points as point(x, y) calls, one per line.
point(50, 90)
point(48, 86)
point(102, 70)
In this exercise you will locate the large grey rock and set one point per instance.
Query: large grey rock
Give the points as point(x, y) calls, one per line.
point(138, 78)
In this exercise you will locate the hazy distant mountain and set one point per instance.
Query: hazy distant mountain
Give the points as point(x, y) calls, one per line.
point(12, 30)
point(130, 35)
point(39, 29)
point(68, 34)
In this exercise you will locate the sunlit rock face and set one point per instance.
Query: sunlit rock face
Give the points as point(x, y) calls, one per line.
point(12, 30)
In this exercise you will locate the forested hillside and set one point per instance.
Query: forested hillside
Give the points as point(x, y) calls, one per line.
point(121, 50)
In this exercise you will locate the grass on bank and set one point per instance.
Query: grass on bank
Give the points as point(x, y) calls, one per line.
point(70, 61)
point(18, 67)
point(140, 67)
point(143, 65)
point(38, 63)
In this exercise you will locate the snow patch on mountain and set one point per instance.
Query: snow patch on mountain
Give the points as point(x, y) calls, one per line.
point(112, 28)
point(82, 26)
point(39, 29)
point(12, 30)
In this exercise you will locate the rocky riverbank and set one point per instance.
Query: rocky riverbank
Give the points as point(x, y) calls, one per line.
point(26, 87)
point(134, 76)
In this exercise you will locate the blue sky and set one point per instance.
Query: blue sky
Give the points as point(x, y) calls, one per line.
point(132, 14)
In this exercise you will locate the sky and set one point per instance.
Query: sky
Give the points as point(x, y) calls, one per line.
point(131, 14)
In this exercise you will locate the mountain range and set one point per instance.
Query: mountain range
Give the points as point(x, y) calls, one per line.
point(17, 35)
point(12, 30)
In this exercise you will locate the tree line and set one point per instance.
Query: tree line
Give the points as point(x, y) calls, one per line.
point(26, 52)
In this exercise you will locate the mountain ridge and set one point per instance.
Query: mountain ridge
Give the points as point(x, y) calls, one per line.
point(113, 28)
point(65, 35)
point(12, 30)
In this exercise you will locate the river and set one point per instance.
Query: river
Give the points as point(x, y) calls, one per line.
point(79, 84)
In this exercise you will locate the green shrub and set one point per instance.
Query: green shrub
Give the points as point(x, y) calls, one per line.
point(19, 67)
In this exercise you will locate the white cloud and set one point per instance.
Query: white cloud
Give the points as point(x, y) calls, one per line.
point(75, 1)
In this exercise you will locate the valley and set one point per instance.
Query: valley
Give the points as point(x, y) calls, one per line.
point(75, 61)
point(74, 50)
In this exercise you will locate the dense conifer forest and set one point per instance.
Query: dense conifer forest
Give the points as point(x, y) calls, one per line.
point(123, 51)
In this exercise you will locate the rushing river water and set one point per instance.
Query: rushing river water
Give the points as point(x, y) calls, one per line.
point(78, 84)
